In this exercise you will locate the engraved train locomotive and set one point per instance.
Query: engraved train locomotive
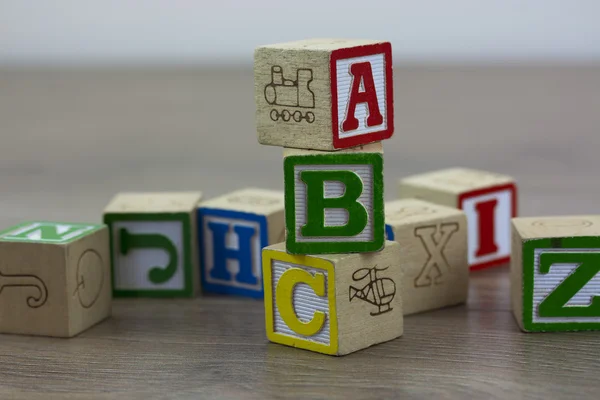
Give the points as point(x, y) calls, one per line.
point(292, 95)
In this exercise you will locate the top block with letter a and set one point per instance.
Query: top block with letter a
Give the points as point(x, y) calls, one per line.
point(555, 273)
point(334, 201)
point(153, 243)
point(324, 94)
point(489, 200)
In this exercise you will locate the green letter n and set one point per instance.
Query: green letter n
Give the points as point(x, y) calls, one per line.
point(317, 203)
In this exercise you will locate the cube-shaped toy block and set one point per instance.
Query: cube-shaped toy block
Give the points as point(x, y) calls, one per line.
point(324, 94)
point(54, 278)
point(233, 229)
point(488, 199)
point(433, 239)
point(154, 248)
point(555, 273)
point(334, 304)
point(334, 201)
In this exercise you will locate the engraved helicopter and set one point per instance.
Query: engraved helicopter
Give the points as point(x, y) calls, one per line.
point(378, 291)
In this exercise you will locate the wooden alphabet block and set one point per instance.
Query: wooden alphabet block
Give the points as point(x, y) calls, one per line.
point(154, 246)
point(233, 229)
point(334, 201)
point(54, 278)
point(488, 199)
point(324, 94)
point(555, 273)
point(433, 243)
point(333, 304)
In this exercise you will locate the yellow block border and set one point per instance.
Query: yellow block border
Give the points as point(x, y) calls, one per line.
point(267, 258)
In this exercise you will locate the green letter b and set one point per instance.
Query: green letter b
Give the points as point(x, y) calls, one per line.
point(316, 203)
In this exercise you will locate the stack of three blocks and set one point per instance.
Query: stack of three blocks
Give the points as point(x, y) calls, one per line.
point(334, 285)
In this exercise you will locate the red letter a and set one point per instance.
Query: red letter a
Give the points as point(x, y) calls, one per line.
point(362, 72)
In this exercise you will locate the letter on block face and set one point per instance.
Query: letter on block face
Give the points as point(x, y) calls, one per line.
point(54, 278)
point(233, 229)
point(334, 201)
point(555, 273)
point(334, 304)
point(153, 244)
point(489, 200)
point(324, 94)
point(433, 239)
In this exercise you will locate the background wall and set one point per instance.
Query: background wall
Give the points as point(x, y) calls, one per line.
point(226, 31)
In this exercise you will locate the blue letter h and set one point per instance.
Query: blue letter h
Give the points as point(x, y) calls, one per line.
point(243, 254)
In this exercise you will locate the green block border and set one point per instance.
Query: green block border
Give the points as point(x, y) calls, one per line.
point(529, 247)
point(96, 228)
point(374, 159)
point(184, 218)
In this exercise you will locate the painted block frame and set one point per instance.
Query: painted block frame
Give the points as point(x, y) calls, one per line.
point(264, 241)
point(268, 257)
point(529, 247)
point(376, 161)
point(188, 276)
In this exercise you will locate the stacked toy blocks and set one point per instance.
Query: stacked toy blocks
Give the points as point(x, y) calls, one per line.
point(54, 278)
point(334, 286)
point(232, 230)
point(555, 273)
point(434, 253)
point(488, 199)
point(153, 244)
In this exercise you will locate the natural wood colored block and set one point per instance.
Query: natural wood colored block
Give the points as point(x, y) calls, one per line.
point(154, 246)
point(334, 304)
point(54, 278)
point(433, 243)
point(324, 94)
point(233, 229)
point(555, 273)
point(488, 199)
point(334, 201)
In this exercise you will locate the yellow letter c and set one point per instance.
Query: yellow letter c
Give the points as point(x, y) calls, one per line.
point(285, 300)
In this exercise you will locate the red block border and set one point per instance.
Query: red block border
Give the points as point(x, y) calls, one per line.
point(463, 196)
point(361, 51)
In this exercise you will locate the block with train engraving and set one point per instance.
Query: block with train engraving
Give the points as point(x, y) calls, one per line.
point(54, 278)
point(333, 304)
point(334, 201)
point(324, 94)
point(555, 273)
point(154, 246)
point(488, 199)
point(433, 246)
point(233, 229)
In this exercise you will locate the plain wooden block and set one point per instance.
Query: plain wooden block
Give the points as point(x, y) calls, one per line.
point(324, 94)
point(233, 229)
point(154, 246)
point(555, 273)
point(488, 199)
point(333, 304)
point(54, 278)
point(433, 253)
point(334, 201)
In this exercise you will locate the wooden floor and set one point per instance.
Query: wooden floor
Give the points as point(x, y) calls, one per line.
point(71, 139)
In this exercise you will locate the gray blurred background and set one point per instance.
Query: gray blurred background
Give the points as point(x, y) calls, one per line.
point(102, 96)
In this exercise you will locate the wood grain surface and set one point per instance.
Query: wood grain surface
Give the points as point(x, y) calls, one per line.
point(71, 139)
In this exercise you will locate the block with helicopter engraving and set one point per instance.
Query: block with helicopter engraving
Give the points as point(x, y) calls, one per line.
point(334, 304)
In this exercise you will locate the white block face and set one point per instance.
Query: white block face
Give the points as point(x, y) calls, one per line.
point(493, 212)
point(305, 301)
point(335, 217)
point(345, 82)
point(232, 242)
point(131, 270)
point(544, 284)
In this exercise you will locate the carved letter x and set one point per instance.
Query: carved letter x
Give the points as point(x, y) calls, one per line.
point(435, 250)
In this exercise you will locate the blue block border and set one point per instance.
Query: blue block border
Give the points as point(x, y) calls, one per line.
point(389, 232)
point(264, 241)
